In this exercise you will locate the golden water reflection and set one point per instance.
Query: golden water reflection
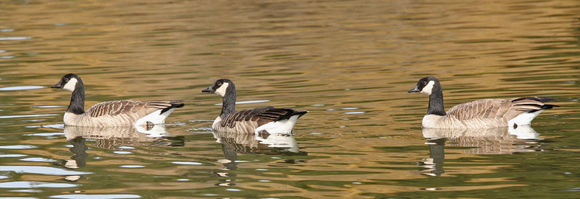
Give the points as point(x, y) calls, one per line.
point(113, 138)
point(506, 140)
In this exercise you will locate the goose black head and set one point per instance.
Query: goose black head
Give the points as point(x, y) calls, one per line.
point(220, 87)
point(425, 85)
point(68, 82)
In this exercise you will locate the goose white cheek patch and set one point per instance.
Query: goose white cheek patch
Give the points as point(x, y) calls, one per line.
point(70, 85)
point(428, 88)
point(222, 89)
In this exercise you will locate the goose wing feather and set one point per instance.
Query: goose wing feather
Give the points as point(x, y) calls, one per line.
point(129, 107)
point(497, 108)
point(259, 115)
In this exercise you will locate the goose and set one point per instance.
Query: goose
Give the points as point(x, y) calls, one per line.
point(483, 113)
point(112, 113)
point(265, 120)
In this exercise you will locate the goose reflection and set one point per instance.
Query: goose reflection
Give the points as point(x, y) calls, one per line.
point(250, 143)
point(111, 138)
point(477, 141)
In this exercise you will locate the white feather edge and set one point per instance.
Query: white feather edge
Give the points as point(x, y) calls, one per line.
point(155, 118)
point(282, 126)
point(524, 118)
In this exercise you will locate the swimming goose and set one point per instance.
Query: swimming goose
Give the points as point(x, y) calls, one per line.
point(484, 113)
point(265, 120)
point(112, 113)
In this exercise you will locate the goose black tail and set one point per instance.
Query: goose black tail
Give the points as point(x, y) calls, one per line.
point(549, 106)
point(299, 113)
point(174, 104)
point(539, 99)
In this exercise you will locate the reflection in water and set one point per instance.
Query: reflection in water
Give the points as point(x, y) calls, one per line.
point(79, 150)
point(433, 166)
point(79, 158)
point(250, 143)
point(271, 144)
point(478, 141)
point(110, 138)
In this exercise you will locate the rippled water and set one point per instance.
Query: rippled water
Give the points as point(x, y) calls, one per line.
point(349, 63)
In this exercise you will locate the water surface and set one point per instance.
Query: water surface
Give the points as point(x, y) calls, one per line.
point(349, 63)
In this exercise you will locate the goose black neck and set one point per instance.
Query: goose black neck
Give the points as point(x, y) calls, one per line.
point(436, 101)
point(229, 101)
point(77, 100)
